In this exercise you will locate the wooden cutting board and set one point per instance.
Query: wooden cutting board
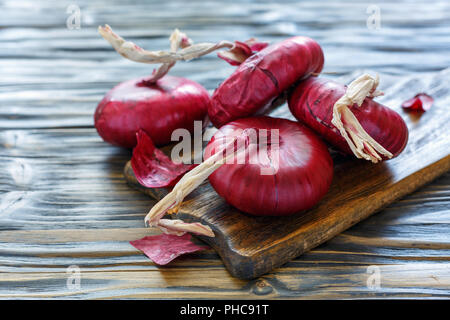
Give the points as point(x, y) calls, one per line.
point(251, 246)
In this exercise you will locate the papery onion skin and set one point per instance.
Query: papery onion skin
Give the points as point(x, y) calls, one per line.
point(158, 109)
point(421, 102)
point(304, 175)
point(263, 77)
point(312, 101)
point(152, 168)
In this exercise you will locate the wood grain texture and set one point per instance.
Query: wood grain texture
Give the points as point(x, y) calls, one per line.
point(63, 197)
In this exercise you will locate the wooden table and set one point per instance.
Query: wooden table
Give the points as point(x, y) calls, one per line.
point(64, 205)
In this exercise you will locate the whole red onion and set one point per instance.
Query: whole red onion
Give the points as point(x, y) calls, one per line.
point(312, 103)
point(157, 108)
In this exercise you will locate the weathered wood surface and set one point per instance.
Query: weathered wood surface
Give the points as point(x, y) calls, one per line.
point(63, 197)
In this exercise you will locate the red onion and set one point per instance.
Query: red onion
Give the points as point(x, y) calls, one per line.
point(282, 177)
point(421, 102)
point(348, 118)
point(157, 108)
point(263, 77)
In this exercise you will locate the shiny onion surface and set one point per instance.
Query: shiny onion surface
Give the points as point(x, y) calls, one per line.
point(158, 109)
point(303, 176)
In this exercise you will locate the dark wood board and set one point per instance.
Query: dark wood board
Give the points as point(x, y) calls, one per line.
point(252, 246)
point(63, 198)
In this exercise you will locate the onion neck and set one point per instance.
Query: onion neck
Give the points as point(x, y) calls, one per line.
point(189, 182)
point(360, 142)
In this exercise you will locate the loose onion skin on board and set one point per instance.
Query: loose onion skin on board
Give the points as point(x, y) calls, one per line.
point(316, 101)
point(262, 77)
point(296, 175)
